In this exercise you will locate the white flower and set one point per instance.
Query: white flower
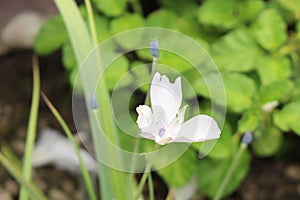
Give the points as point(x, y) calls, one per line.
point(164, 122)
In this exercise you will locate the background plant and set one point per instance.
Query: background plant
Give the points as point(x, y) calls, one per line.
point(254, 44)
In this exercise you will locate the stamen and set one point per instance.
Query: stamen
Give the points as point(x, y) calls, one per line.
point(161, 132)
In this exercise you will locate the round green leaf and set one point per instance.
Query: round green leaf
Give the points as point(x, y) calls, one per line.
point(292, 5)
point(267, 141)
point(248, 10)
point(236, 51)
point(109, 7)
point(270, 29)
point(51, 36)
point(224, 148)
point(249, 120)
point(273, 68)
point(115, 71)
point(124, 23)
point(276, 91)
point(181, 171)
point(162, 18)
point(210, 174)
point(239, 89)
point(218, 13)
point(288, 118)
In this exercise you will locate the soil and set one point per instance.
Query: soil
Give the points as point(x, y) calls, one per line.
point(272, 178)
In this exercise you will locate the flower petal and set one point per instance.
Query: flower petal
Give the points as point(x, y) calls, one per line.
point(144, 116)
point(166, 95)
point(158, 120)
point(198, 129)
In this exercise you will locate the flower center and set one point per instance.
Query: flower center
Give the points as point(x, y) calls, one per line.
point(161, 132)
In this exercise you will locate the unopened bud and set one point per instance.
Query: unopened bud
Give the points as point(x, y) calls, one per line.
point(154, 46)
point(247, 138)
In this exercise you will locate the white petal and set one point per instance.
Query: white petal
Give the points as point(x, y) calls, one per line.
point(166, 95)
point(198, 129)
point(158, 121)
point(144, 116)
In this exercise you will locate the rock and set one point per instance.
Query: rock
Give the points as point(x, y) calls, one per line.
point(293, 172)
point(56, 194)
point(21, 30)
point(12, 187)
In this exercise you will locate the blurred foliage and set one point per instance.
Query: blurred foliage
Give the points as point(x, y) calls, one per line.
point(255, 45)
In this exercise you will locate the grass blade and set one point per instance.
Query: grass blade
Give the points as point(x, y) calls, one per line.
point(30, 189)
point(31, 130)
point(84, 171)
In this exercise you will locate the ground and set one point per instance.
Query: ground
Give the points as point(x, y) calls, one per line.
point(269, 178)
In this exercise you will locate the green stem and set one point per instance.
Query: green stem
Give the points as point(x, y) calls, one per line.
point(91, 22)
point(150, 186)
point(34, 192)
point(146, 102)
point(153, 70)
point(84, 171)
point(145, 176)
point(230, 171)
point(31, 130)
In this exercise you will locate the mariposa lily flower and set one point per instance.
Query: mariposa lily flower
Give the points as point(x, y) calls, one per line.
point(164, 122)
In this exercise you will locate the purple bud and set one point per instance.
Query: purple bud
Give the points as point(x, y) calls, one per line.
point(247, 138)
point(154, 46)
point(93, 101)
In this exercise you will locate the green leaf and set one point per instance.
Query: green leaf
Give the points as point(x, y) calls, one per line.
point(273, 68)
point(181, 171)
point(51, 36)
point(210, 174)
point(270, 30)
point(224, 148)
point(276, 91)
point(124, 23)
point(68, 57)
point(162, 18)
point(236, 51)
point(115, 71)
point(248, 10)
point(218, 13)
point(288, 118)
point(239, 89)
point(249, 120)
point(110, 8)
point(267, 141)
point(185, 8)
point(292, 5)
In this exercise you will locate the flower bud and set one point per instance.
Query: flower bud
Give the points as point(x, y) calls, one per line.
point(154, 46)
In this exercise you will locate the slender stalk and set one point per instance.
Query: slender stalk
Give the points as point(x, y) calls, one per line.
point(84, 171)
point(145, 176)
point(153, 70)
point(230, 171)
point(31, 130)
point(31, 190)
point(150, 186)
point(143, 181)
point(146, 102)
point(91, 22)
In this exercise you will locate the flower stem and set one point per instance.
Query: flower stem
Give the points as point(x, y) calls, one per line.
point(150, 186)
point(145, 176)
point(153, 70)
point(230, 171)
point(146, 102)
